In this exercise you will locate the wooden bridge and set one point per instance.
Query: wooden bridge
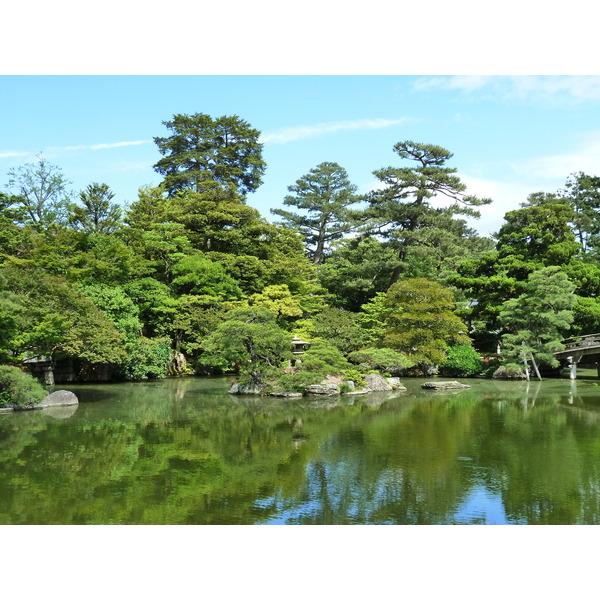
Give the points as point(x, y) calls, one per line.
point(578, 347)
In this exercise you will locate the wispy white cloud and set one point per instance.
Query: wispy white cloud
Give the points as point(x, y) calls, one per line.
point(97, 146)
point(303, 132)
point(524, 88)
point(464, 83)
point(506, 196)
point(584, 156)
point(11, 154)
point(132, 166)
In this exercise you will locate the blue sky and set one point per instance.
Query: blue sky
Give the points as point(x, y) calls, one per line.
point(510, 136)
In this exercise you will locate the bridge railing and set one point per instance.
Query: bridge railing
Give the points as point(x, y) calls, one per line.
point(582, 341)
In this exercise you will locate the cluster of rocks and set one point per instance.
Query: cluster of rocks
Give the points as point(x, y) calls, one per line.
point(58, 398)
point(329, 387)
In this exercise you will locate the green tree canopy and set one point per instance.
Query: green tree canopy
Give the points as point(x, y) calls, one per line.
point(341, 328)
point(250, 341)
point(323, 195)
point(357, 270)
point(97, 214)
point(538, 319)
point(201, 150)
point(403, 209)
point(538, 235)
point(420, 321)
point(530, 239)
point(582, 194)
point(50, 317)
point(196, 274)
point(42, 190)
point(279, 300)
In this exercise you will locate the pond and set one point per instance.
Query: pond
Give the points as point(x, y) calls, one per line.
point(183, 451)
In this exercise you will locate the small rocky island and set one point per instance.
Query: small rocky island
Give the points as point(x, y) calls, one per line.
point(330, 386)
point(444, 385)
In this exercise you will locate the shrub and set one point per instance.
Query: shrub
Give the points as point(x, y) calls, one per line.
point(296, 382)
point(17, 387)
point(491, 362)
point(356, 376)
point(462, 361)
point(320, 360)
point(324, 358)
point(148, 357)
point(345, 387)
point(509, 371)
point(384, 360)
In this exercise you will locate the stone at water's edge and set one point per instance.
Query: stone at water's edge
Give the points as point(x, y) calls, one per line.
point(250, 388)
point(328, 389)
point(395, 383)
point(377, 383)
point(444, 385)
point(58, 398)
point(509, 373)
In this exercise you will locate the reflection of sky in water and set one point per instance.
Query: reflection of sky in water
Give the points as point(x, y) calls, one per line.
point(480, 506)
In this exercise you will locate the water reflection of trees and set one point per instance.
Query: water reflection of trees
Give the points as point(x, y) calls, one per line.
point(184, 452)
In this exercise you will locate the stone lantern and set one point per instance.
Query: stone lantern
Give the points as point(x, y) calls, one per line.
point(299, 347)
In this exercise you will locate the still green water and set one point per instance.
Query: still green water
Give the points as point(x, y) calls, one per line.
point(183, 451)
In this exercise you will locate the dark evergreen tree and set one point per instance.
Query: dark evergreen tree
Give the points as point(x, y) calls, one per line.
point(324, 195)
point(201, 151)
point(403, 210)
point(97, 213)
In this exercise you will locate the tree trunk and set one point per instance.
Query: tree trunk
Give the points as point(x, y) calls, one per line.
point(537, 372)
point(526, 365)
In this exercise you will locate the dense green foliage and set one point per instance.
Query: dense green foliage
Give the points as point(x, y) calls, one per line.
point(420, 322)
point(461, 361)
point(539, 318)
point(17, 387)
point(250, 341)
point(322, 360)
point(188, 277)
point(384, 360)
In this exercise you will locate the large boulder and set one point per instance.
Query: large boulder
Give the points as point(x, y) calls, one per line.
point(395, 383)
point(58, 398)
point(376, 383)
point(504, 372)
point(323, 389)
point(282, 394)
point(247, 388)
point(444, 385)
